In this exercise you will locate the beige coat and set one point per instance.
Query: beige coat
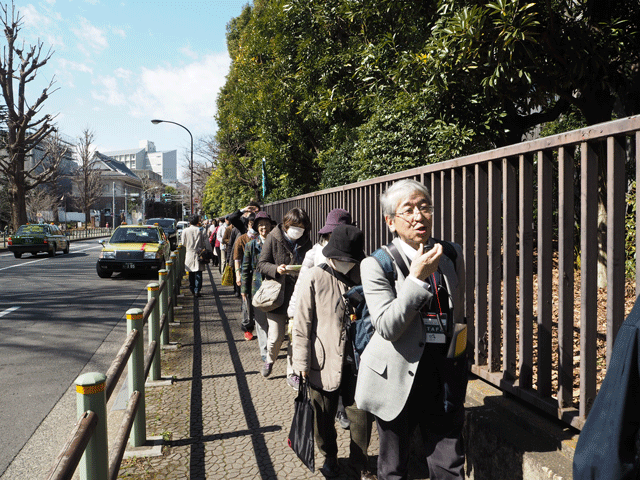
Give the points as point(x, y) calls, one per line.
point(194, 241)
point(319, 334)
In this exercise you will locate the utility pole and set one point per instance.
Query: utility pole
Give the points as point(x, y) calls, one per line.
point(113, 211)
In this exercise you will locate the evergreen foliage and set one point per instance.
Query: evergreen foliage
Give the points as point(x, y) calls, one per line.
point(339, 91)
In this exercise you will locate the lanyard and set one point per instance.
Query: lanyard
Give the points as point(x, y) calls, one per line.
point(435, 289)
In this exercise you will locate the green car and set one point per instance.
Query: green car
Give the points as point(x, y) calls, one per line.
point(38, 237)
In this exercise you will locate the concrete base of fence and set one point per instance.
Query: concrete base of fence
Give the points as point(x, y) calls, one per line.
point(163, 382)
point(153, 448)
point(505, 439)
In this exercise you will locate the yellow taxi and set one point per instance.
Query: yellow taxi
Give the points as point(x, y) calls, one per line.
point(134, 248)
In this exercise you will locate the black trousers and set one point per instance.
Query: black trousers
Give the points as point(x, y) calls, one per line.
point(441, 432)
point(325, 405)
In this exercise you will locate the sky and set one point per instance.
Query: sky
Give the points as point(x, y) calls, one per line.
point(119, 64)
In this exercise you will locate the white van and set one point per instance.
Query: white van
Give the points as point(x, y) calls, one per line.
point(181, 225)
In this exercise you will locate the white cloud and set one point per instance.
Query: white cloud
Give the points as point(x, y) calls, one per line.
point(110, 92)
point(119, 31)
point(40, 26)
point(76, 66)
point(185, 94)
point(91, 38)
point(188, 52)
point(123, 73)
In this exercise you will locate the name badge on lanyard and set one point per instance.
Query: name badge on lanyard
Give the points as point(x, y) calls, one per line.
point(436, 326)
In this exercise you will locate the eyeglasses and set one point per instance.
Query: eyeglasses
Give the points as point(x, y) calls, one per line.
point(410, 212)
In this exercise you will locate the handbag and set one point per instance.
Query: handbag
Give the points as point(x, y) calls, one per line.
point(301, 434)
point(204, 256)
point(270, 295)
point(227, 277)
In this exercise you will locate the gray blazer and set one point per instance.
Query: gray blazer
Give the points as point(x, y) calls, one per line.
point(390, 360)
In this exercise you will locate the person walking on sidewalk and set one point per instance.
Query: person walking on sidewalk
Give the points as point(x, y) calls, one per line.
point(337, 216)
point(286, 245)
point(248, 322)
point(251, 279)
point(194, 240)
point(321, 350)
point(409, 376)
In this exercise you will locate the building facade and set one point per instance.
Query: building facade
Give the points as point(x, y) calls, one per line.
point(145, 157)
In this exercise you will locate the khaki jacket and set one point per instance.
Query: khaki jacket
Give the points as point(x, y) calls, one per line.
point(319, 333)
point(194, 241)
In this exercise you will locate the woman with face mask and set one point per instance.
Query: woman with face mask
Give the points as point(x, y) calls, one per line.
point(286, 245)
point(321, 348)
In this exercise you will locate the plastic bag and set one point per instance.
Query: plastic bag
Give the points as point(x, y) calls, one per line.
point(227, 276)
point(301, 433)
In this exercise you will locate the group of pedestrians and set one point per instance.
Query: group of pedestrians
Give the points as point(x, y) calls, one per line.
point(413, 371)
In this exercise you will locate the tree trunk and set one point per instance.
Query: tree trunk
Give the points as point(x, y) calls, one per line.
point(17, 193)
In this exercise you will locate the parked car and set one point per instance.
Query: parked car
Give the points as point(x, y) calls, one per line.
point(170, 228)
point(134, 248)
point(38, 237)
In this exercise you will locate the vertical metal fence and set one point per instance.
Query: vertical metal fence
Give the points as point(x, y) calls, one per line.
point(527, 218)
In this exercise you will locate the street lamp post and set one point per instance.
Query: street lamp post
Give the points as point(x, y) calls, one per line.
point(155, 122)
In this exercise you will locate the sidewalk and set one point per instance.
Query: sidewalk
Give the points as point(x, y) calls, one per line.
point(223, 419)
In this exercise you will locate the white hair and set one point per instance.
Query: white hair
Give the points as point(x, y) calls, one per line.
point(401, 189)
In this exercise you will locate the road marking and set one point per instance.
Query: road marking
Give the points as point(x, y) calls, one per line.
point(23, 264)
point(8, 311)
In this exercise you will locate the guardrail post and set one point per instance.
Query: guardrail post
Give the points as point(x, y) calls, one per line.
point(135, 377)
point(164, 334)
point(91, 395)
point(154, 330)
point(170, 268)
point(176, 276)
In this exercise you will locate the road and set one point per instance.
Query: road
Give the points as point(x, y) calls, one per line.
point(54, 314)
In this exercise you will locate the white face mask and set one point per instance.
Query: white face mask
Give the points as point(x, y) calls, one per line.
point(295, 233)
point(340, 266)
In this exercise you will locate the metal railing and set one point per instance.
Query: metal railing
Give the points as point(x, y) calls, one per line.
point(88, 443)
point(516, 211)
point(71, 234)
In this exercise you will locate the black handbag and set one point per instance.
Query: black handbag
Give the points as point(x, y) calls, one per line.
point(204, 256)
point(301, 433)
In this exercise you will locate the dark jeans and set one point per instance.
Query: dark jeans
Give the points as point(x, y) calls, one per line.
point(218, 259)
point(326, 406)
point(195, 281)
point(248, 322)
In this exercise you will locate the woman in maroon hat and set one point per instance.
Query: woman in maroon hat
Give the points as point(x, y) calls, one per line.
point(320, 348)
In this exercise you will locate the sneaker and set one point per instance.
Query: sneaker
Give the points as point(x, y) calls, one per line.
point(330, 469)
point(266, 369)
point(342, 419)
point(294, 382)
point(248, 336)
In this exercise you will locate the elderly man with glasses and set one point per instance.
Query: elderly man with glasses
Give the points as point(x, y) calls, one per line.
point(413, 372)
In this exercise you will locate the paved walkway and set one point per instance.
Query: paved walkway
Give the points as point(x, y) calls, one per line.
point(223, 419)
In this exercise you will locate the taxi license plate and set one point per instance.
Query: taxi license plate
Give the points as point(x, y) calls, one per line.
point(129, 265)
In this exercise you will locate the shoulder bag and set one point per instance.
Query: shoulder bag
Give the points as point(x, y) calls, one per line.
point(270, 295)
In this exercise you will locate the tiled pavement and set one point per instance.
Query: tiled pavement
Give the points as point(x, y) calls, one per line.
point(222, 418)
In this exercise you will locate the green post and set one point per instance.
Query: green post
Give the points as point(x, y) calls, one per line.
point(91, 395)
point(175, 276)
point(171, 267)
point(154, 330)
point(135, 377)
point(164, 334)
